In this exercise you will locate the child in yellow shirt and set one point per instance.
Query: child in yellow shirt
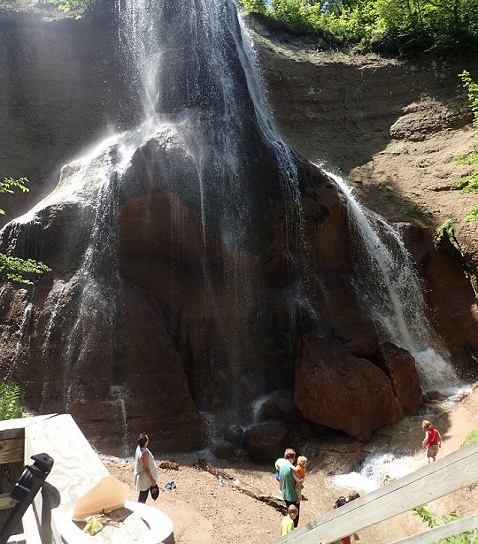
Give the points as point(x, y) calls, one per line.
point(287, 523)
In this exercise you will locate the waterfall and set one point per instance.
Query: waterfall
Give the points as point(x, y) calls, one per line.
point(197, 87)
point(181, 248)
point(166, 44)
point(120, 396)
point(388, 284)
point(88, 184)
point(23, 334)
point(183, 61)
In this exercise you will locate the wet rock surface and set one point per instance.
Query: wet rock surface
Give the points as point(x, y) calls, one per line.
point(335, 108)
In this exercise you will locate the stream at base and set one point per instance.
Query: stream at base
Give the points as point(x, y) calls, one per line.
point(399, 457)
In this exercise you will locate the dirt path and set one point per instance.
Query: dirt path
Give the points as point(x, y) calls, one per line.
point(206, 511)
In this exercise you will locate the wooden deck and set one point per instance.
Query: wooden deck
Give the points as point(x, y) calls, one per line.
point(76, 470)
point(448, 474)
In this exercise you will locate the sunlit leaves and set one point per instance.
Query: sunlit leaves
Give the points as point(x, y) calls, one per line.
point(406, 26)
point(13, 268)
point(8, 184)
point(433, 520)
point(10, 405)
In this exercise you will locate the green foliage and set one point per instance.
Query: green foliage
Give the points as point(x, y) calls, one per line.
point(413, 208)
point(426, 516)
point(470, 438)
point(445, 232)
point(253, 6)
point(296, 15)
point(10, 405)
point(405, 26)
point(17, 270)
point(433, 520)
point(8, 184)
point(14, 268)
point(469, 183)
point(472, 90)
point(74, 5)
point(472, 214)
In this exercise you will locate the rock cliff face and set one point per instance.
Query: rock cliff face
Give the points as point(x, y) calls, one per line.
point(161, 357)
point(394, 129)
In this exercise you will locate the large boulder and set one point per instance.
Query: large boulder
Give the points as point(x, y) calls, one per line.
point(338, 390)
point(280, 405)
point(399, 365)
point(266, 441)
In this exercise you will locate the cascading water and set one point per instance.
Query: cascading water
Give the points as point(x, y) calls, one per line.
point(392, 294)
point(192, 71)
point(23, 334)
point(378, 469)
point(183, 249)
point(90, 186)
point(223, 101)
point(120, 394)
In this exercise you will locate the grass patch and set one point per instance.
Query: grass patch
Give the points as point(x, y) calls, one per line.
point(413, 208)
point(470, 438)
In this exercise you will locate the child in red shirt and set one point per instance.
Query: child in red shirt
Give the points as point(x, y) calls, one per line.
point(432, 440)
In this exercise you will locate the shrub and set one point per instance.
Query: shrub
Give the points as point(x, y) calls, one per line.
point(433, 520)
point(10, 405)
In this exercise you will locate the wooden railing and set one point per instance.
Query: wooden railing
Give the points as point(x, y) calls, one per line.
point(444, 476)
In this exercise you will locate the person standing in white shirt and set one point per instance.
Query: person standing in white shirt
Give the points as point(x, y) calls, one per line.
point(145, 470)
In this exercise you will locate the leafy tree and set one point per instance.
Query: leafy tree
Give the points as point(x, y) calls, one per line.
point(472, 89)
point(293, 13)
point(14, 268)
point(253, 6)
point(8, 184)
point(10, 406)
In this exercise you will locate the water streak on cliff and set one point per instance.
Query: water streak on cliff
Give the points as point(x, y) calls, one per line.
point(388, 284)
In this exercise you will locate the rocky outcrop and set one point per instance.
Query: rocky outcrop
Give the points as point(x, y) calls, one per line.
point(335, 389)
point(266, 441)
point(390, 127)
point(400, 367)
point(178, 318)
point(343, 109)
